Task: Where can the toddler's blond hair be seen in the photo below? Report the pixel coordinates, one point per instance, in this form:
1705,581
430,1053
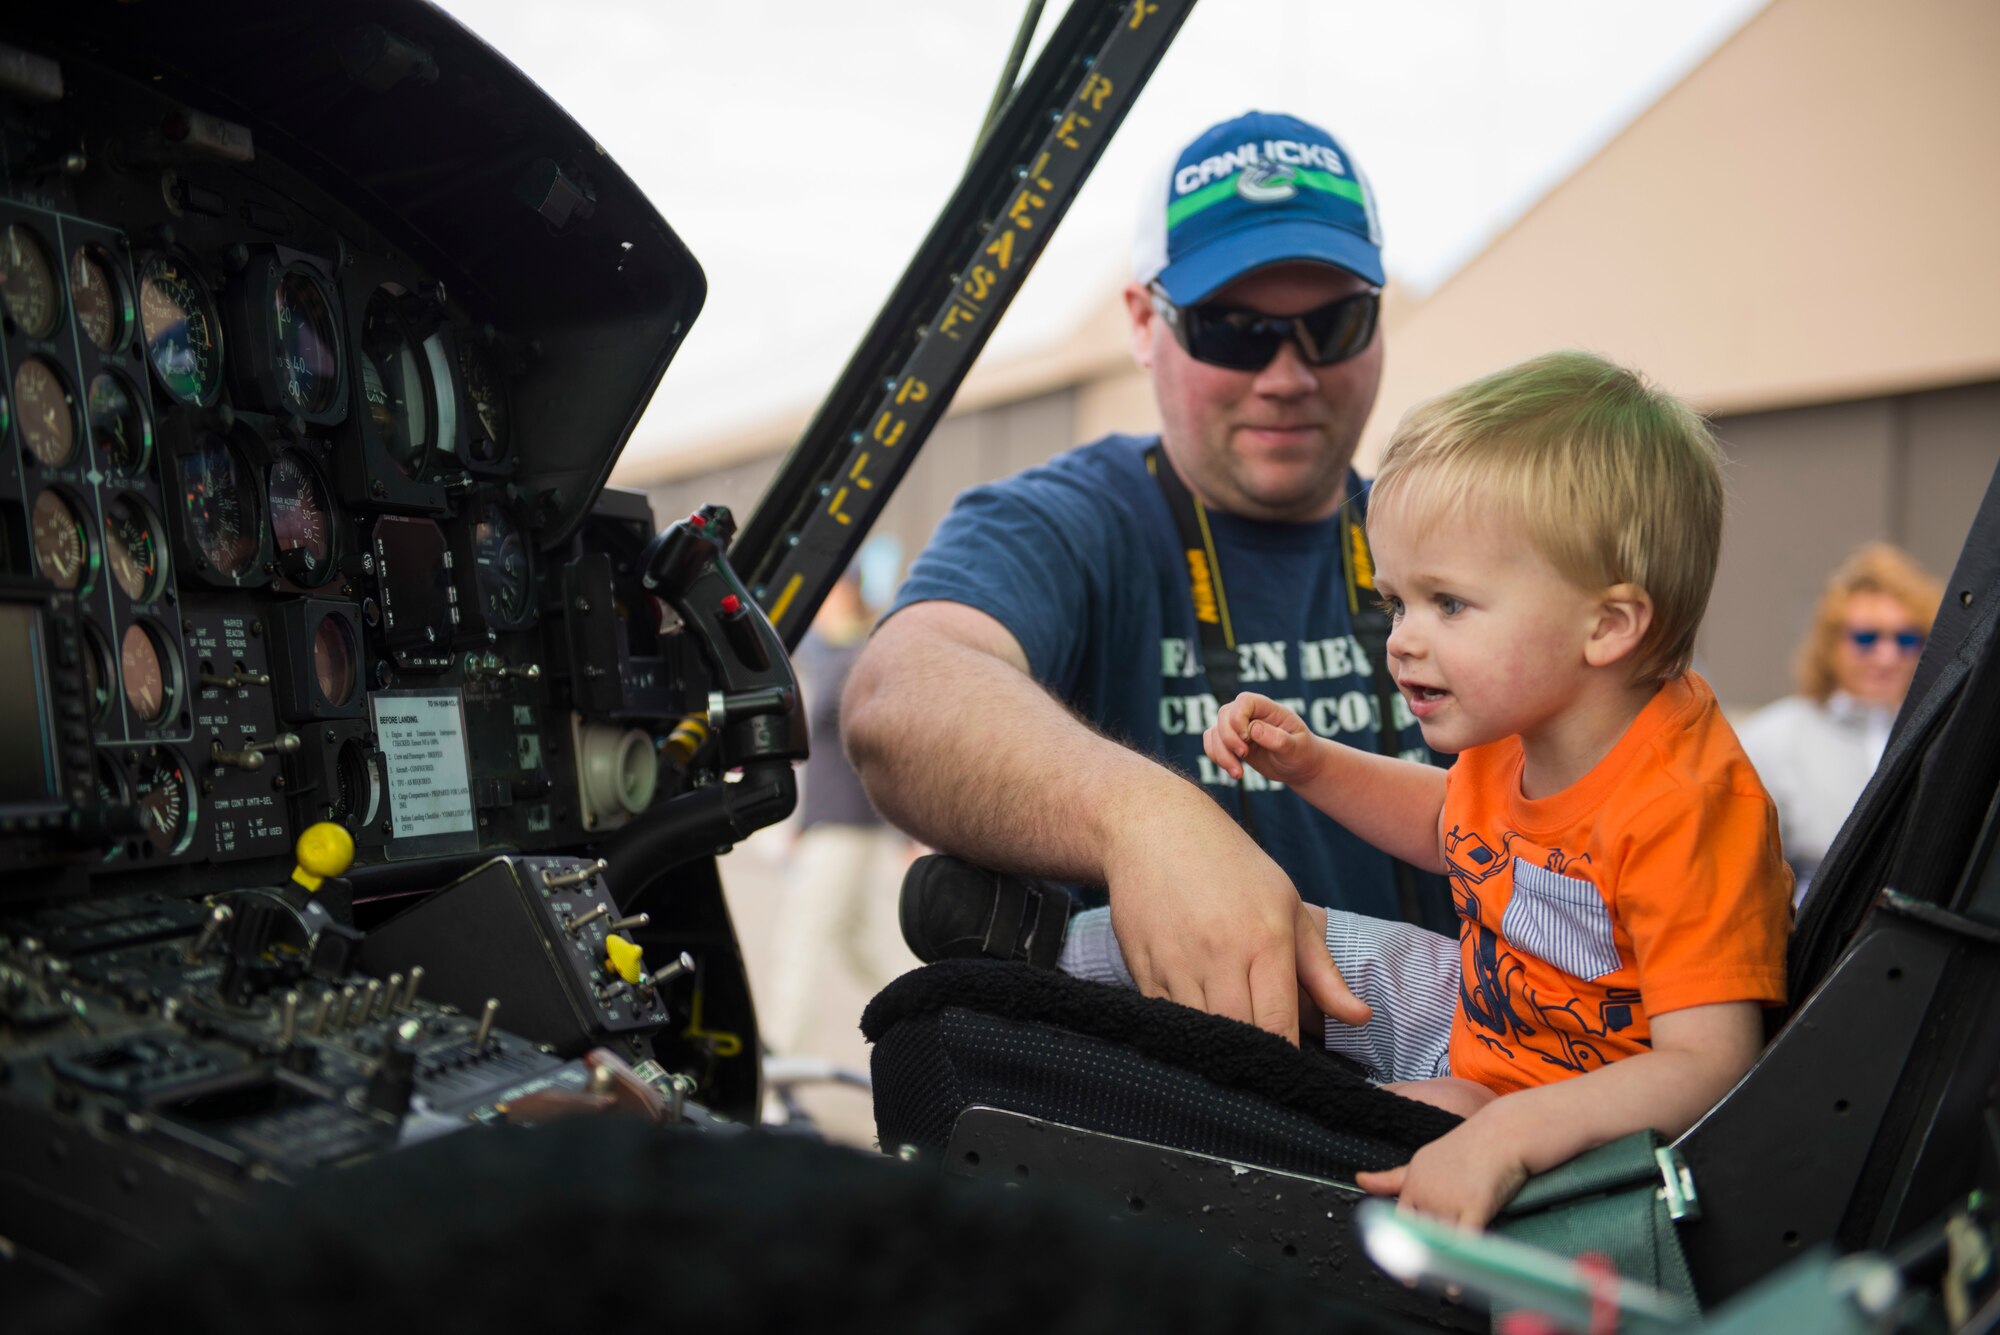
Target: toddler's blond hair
1614,481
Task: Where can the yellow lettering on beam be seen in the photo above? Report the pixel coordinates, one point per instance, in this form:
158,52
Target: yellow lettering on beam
979,283
1095,90
1071,123
888,429
1141,11
956,315
854,473
913,391
833,506
1003,249
1018,211
785,599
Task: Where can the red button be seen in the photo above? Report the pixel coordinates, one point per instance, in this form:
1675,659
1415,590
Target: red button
698,521
731,604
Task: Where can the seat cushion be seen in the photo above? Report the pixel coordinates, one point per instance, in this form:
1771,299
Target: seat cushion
965,1033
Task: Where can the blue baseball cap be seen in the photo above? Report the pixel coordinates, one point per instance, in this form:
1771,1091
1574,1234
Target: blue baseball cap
1259,190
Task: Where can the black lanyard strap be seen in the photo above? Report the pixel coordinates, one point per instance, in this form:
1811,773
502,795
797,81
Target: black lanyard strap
1218,636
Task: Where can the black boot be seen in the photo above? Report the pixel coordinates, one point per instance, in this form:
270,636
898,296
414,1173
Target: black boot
951,910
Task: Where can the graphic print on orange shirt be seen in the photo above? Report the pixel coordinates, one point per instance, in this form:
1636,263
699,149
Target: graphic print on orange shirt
1516,1004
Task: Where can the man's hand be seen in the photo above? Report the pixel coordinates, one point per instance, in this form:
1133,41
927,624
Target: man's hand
1205,918
1272,739
1463,1177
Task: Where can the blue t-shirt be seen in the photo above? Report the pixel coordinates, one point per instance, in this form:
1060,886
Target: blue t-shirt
1078,558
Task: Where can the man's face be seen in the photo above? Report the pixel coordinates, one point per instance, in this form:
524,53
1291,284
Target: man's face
1273,444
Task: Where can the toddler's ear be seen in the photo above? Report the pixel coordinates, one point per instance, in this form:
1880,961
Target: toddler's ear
1619,625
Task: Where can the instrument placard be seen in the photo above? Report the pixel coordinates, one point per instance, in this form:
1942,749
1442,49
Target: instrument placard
421,735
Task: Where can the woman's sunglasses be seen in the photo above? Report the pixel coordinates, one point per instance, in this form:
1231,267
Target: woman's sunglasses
1245,340
1906,641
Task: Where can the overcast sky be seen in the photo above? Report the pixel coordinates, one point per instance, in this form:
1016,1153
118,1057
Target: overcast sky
760,130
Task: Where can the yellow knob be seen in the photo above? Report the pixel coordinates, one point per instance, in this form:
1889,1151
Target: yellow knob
622,958
323,850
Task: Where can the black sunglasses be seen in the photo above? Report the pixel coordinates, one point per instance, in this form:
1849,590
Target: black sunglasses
1245,340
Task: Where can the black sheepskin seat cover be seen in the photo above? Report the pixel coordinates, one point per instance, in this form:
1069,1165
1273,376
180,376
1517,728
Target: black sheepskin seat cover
965,1033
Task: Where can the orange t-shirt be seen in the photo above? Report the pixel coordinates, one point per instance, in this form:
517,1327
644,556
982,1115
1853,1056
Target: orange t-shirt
1653,883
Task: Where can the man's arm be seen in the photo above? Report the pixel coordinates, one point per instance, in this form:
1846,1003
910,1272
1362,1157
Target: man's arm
959,745
1466,1175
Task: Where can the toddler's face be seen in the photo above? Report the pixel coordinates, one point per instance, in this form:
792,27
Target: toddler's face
1488,638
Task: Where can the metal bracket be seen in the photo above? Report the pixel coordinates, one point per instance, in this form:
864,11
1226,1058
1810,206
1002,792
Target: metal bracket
1678,1191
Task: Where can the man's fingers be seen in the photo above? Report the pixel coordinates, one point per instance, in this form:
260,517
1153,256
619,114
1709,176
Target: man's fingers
1274,996
1387,1183
1229,997
1322,981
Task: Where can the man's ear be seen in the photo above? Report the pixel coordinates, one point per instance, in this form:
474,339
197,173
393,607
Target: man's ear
1139,307
1619,625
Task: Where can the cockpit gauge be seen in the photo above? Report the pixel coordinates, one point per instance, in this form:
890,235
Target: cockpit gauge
222,512
501,569
487,392
118,424
98,297
61,542
301,519
148,674
308,345
29,288
444,384
165,799
46,412
132,549
392,382
97,673
183,335
333,660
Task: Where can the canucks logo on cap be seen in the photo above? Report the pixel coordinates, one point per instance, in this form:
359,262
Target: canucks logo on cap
1266,183
1260,190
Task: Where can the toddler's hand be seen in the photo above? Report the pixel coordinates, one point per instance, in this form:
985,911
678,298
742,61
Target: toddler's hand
1274,740
1463,1177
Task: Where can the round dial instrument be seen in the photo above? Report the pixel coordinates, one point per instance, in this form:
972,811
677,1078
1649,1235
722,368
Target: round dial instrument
333,660
118,424
148,680
48,414
221,513
97,673
62,544
488,393
308,349
98,299
132,549
301,519
28,285
183,337
392,381
500,567
165,799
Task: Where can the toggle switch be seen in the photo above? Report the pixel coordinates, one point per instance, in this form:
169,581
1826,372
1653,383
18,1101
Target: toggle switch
251,757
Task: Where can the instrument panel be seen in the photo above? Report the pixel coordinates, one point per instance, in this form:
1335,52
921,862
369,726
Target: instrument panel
320,329
319,333
218,443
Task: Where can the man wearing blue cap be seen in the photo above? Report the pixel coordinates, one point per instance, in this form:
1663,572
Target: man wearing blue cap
1036,697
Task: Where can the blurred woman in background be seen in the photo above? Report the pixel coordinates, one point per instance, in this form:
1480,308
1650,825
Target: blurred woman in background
1817,750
